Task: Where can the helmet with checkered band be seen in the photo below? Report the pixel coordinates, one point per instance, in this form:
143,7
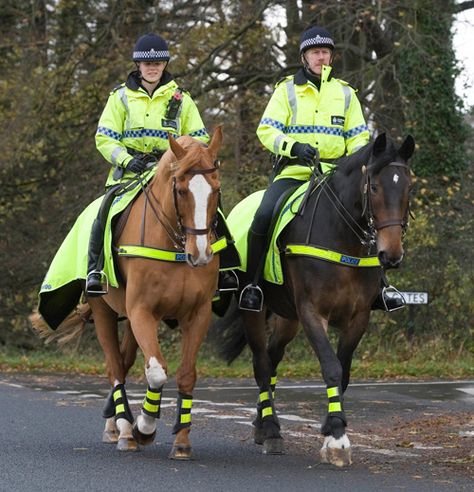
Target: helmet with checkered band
316,37
150,47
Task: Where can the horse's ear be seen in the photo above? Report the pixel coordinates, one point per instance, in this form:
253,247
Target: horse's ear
380,144
177,150
407,148
216,140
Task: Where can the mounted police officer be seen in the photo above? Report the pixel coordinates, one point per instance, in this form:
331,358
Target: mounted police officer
311,116
133,132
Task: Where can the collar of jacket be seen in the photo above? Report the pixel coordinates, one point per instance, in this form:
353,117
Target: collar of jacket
302,79
133,80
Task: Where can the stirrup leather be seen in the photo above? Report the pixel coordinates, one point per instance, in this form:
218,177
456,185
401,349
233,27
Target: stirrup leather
390,291
261,298
103,280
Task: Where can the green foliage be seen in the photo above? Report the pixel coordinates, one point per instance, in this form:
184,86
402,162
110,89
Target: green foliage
428,69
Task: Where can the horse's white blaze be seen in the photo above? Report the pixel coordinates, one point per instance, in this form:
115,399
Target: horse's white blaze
341,443
396,177
155,374
201,190
146,424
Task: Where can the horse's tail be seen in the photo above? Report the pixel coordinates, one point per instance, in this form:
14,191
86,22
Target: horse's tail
227,333
70,329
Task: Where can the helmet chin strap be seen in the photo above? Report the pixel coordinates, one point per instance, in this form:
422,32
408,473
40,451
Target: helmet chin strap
306,66
143,78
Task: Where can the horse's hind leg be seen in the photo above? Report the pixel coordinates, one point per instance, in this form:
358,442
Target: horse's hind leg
336,448
284,330
266,424
119,421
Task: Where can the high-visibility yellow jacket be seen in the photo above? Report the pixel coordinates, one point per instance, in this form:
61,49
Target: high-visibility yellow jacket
134,119
329,119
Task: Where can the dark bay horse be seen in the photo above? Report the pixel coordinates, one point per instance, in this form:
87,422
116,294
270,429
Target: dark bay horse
362,206
181,206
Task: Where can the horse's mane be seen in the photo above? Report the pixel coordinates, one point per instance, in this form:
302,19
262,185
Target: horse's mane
167,163
346,165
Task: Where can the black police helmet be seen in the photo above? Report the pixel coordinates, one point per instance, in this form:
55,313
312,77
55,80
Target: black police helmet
316,37
151,47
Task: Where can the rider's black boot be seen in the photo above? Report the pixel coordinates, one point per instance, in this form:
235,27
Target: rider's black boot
388,303
94,277
251,297
228,281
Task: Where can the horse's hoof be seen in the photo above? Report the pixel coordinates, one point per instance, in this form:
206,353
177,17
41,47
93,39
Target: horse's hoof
336,456
273,446
140,438
258,435
180,452
110,437
127,444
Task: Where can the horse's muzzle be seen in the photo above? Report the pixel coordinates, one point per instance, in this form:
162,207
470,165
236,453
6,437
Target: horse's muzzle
200,260
388,261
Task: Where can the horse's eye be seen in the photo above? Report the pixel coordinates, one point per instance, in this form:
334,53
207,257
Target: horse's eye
373,188
217,163
182,192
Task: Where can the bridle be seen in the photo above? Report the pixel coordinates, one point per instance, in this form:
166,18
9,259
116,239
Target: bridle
367,237
367,208
177,237
183,229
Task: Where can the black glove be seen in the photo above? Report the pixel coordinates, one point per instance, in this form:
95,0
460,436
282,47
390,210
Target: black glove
304,152
136,165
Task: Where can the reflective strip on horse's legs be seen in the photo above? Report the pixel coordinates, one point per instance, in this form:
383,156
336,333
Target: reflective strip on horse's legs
151,409
334,410
273,382
183,417
122,409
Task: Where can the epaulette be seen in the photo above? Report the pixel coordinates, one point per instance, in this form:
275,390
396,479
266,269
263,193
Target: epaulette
283,79
117,87
183,90
343,82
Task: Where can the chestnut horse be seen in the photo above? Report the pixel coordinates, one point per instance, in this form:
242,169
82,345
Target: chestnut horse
175,216
361,208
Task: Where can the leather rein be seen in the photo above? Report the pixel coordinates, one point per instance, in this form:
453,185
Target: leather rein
178,237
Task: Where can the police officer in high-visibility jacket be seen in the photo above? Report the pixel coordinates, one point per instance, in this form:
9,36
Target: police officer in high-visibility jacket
133,132
309,113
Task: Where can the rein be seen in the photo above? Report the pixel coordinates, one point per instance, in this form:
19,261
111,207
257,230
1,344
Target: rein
368,213
178,238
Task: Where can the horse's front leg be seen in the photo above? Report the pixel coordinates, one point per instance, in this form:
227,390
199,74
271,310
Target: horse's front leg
144,326
266,424
193,330
119,419
336,448
348,341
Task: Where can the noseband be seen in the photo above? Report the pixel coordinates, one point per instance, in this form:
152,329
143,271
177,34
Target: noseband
367,209
183,229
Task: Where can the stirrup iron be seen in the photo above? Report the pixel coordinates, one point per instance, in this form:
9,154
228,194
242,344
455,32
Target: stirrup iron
390,291
261,299
103,280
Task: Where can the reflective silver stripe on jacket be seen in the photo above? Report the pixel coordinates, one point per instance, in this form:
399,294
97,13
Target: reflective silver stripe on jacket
276,143
124,99
347,97
115,153
290,89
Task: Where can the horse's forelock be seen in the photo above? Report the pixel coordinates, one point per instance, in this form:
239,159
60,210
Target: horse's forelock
192,159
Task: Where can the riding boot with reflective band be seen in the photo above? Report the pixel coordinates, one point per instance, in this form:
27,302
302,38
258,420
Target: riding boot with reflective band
122,409
334,409
152,402
183,418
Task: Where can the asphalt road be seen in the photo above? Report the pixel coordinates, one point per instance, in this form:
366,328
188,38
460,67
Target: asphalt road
416,436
